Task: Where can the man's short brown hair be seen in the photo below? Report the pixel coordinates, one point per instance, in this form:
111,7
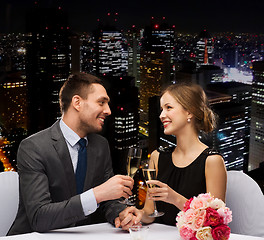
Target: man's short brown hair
76,84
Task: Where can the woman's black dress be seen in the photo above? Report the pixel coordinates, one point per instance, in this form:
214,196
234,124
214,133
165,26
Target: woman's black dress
188,181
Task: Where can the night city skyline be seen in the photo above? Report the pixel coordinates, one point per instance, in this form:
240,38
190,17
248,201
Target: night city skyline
187,16
137,49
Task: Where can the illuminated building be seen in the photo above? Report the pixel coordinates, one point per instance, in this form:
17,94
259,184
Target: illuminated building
123,124
4,161
157,65
230,136
204,75
12,52
204,49
125,128
110,50
87,57
256,146
133,41
124,107
109,57
185,47
13,112
154,73
207,74
160,37
48,64
110,62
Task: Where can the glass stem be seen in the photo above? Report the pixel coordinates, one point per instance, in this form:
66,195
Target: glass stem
155,207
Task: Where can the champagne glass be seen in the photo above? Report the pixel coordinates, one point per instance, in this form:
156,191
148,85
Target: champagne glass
150,173
133,161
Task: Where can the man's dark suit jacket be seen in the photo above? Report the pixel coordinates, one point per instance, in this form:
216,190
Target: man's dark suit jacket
47,184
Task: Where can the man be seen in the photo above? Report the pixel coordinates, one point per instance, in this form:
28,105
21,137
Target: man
48,166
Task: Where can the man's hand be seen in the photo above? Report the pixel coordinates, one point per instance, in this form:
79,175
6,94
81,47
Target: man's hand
128,217
114,188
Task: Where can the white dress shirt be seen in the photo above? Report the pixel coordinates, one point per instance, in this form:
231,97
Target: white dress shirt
88,200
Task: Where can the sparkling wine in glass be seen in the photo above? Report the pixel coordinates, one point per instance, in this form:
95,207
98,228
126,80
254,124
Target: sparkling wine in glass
132,165
133,161
150,173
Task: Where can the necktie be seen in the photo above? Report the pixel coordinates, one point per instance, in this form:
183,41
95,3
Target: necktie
81,166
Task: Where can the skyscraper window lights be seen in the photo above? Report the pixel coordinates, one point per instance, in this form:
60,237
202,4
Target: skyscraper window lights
14,85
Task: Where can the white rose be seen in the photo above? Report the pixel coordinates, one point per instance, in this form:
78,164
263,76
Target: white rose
204,234
216,204
180,219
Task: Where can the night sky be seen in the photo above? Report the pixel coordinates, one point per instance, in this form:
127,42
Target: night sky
187,16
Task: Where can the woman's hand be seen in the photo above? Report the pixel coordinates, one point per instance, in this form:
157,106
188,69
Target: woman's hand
162,192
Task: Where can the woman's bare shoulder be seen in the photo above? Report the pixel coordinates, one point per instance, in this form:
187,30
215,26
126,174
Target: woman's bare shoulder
155,154
214,159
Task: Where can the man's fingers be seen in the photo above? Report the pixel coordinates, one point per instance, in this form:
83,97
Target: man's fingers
117,222
125,195
126,192
126,178
128,183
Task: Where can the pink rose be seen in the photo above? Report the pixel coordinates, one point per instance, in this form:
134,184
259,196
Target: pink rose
190,215
187,205
212,218
186,232
198,220
204,218
198,203
221,232
226,214
206,196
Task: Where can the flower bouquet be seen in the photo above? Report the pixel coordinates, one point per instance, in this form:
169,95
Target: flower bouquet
204,218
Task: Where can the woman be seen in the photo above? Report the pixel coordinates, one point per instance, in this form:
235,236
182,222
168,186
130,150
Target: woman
191,167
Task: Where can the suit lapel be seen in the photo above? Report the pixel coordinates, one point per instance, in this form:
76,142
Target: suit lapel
64,156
